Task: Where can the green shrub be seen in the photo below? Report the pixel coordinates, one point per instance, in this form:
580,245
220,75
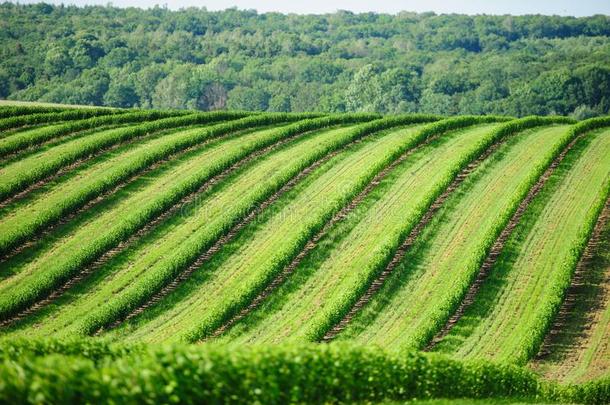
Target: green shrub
268,375
42,118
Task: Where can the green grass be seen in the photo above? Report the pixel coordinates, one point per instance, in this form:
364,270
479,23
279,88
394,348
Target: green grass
16,142
413,306
333,283
32,275
17,110
343,176
517,302
43,118
256,233
23,219
22,173
158,260
32,107
579,351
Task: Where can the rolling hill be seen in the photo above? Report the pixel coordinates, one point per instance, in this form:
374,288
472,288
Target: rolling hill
283,257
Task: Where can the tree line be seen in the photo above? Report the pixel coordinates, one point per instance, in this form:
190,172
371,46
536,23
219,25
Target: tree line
341,62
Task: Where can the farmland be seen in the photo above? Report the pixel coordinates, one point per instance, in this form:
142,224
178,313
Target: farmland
302,257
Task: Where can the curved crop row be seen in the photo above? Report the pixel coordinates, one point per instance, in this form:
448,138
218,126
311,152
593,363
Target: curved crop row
313,305
285,234
214,215
17,110
16,142
161,256
324,192
450,250
126,215
576,349
311,148
24,219
43,118
517,302
92,373
18,175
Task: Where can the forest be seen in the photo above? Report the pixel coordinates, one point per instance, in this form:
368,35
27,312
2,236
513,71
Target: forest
342,62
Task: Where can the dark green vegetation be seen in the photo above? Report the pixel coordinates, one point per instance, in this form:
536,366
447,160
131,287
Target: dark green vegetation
343,62
95,372
265,237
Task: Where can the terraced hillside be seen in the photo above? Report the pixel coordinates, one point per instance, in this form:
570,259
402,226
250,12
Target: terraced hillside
331,247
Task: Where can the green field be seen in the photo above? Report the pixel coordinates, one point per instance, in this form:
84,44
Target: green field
276,257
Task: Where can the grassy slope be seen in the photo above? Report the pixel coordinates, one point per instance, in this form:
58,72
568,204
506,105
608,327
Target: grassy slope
159,255
581,350
332,283
324,192
20,173
22,219
413,304
122,215
518,299
31,138
66,116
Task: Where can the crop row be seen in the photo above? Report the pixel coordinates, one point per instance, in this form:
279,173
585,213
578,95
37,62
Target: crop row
25,219
351,165
256,182
334,283
270,375
576,348
21,140
166,254
22,173
517,302
132,213
308,211
43,118
16,110
450,250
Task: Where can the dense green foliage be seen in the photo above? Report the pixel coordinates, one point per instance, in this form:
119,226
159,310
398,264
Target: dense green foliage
161,226
89,372
27,138
20,174
41,118
335,62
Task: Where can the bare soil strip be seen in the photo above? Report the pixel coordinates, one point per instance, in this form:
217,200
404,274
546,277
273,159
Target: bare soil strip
498,246
103,259
312,243
567,335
